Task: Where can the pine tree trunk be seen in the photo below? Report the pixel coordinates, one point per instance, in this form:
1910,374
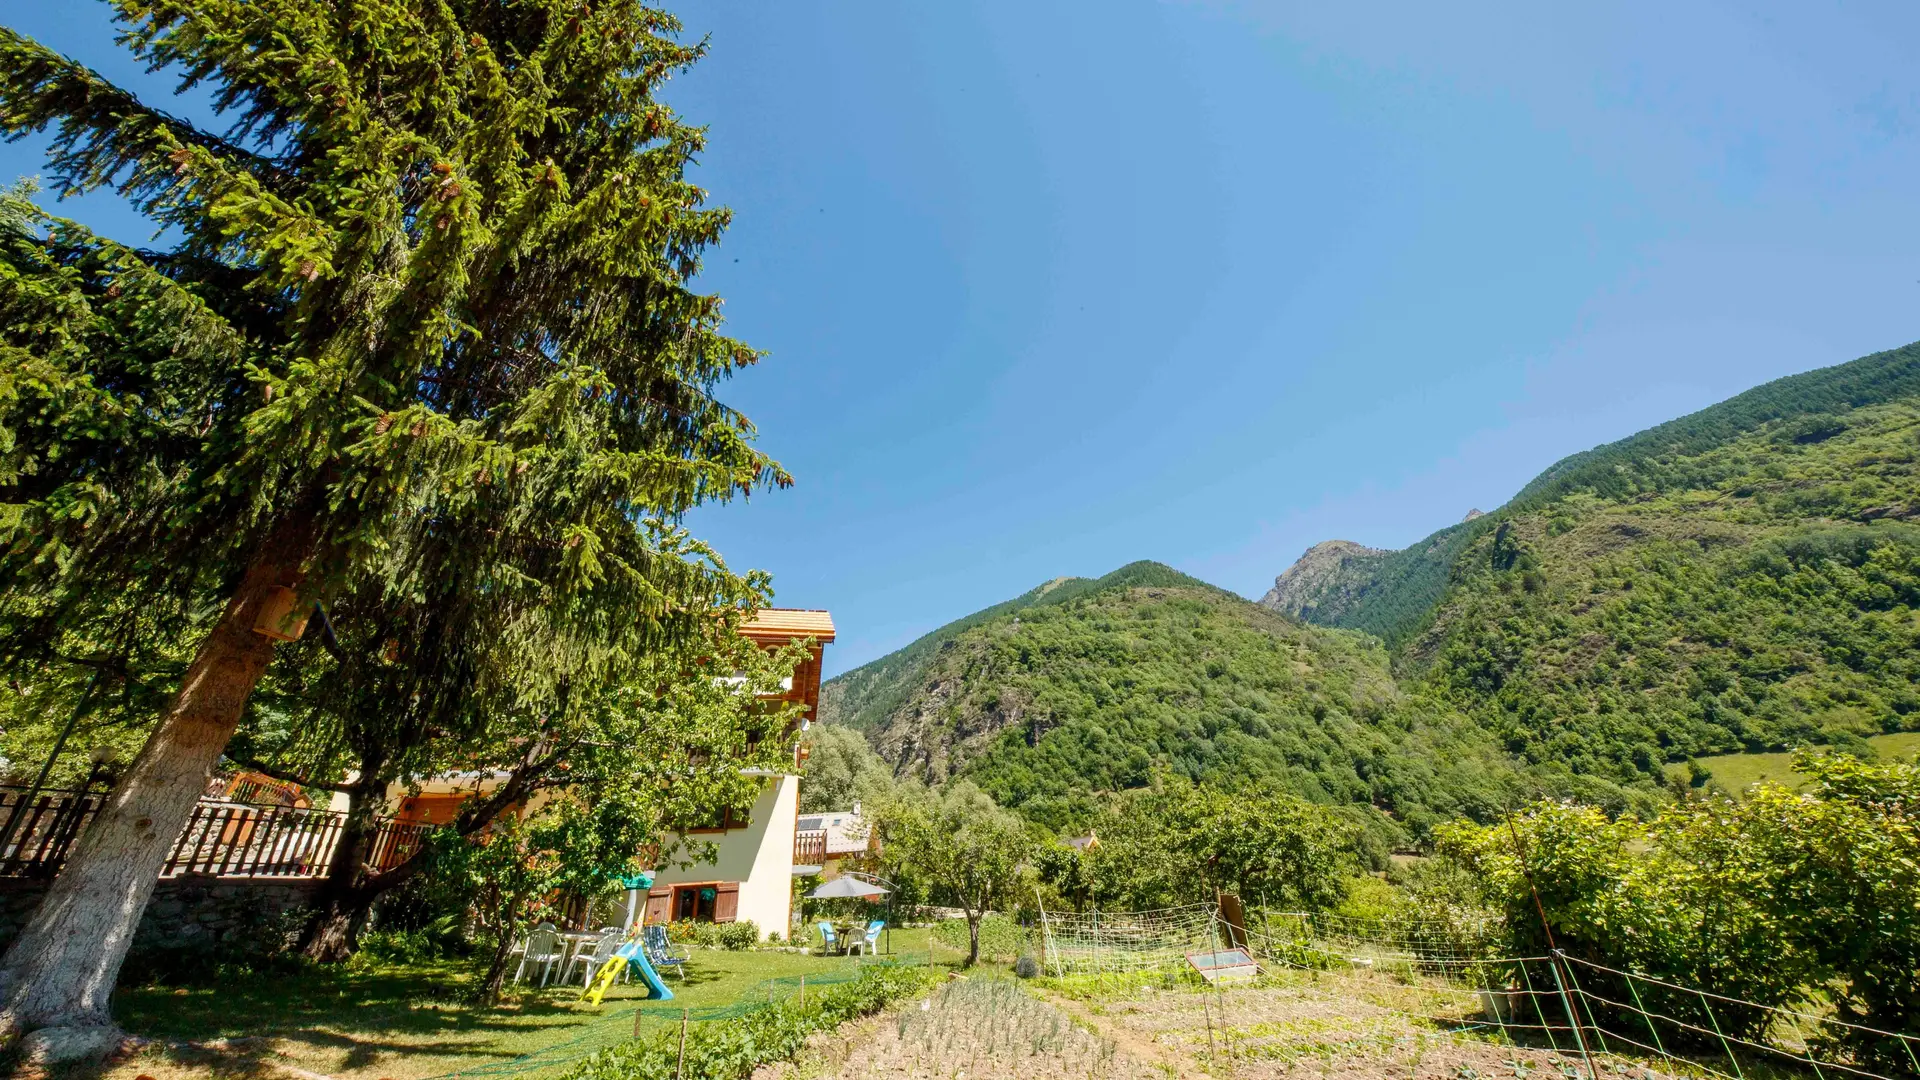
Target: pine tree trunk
61,969
340,912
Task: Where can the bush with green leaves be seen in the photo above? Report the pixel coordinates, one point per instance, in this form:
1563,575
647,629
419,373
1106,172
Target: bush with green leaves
1783,898
743,934
734,1048
1001,938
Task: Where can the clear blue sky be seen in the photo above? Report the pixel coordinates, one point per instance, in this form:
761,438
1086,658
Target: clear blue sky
1050,287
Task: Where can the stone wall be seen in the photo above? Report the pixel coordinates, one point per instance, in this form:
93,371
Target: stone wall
191,914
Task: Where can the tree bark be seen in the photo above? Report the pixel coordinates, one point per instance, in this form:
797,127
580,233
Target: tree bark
61,969
496,977
340,913
973,938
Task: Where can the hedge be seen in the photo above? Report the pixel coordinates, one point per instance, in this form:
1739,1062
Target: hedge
732,1049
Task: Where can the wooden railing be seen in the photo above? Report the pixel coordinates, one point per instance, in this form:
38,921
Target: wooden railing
222,838
810,847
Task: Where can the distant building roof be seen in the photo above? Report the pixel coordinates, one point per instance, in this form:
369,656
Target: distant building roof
845,831
1084,843
790,623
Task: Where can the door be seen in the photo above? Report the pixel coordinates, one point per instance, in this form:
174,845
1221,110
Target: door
659,906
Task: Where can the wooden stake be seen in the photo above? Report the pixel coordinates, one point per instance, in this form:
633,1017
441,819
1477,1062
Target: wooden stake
681,1064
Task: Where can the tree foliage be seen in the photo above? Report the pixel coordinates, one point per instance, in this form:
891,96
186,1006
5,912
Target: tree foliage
429,343
1779,899
955,837
841,770
1178,843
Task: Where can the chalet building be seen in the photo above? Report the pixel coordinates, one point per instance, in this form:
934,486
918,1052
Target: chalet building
751,874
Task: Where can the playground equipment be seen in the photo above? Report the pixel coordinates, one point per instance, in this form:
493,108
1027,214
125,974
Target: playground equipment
632,953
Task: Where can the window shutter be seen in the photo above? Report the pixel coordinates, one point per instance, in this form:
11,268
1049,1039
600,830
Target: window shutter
659,906
726,901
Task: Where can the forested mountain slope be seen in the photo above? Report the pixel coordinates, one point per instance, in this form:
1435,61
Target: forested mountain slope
864,697
1754,595
1393,594
1047,703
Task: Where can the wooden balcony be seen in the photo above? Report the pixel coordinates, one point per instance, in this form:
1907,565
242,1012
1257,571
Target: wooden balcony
810,848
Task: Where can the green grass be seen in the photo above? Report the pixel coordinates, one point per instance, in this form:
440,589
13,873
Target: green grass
410,1023
1738,772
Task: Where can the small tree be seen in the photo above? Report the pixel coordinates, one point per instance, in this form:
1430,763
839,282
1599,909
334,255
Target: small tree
1178,842
962,842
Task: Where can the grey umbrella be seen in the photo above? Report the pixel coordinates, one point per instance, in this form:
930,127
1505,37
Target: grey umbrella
843,887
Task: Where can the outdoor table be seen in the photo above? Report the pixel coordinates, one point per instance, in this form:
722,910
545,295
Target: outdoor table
574,939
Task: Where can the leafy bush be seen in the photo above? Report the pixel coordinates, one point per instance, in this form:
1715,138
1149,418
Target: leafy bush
1783,898
1001,939
731,1049
736,936
1026,967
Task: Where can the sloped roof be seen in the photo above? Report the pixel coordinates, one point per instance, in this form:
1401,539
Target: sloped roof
790,623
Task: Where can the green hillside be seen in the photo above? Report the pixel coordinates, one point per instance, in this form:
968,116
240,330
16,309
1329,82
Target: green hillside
1393,595
1090,688
1742,580
864,697
1752,596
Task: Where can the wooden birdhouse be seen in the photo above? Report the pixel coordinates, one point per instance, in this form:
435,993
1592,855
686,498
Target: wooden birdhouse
281,616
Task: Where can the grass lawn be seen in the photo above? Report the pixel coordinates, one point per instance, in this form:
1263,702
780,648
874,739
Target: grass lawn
408,1023
1738,772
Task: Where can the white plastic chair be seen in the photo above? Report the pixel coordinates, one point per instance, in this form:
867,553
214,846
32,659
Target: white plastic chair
543,948
601,952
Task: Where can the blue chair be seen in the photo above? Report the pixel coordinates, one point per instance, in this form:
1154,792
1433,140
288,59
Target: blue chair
660,951
870,941
830,941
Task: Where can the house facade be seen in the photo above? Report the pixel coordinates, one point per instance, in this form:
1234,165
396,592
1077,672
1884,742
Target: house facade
751,873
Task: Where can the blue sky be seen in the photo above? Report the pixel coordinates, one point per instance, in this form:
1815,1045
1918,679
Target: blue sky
1050,287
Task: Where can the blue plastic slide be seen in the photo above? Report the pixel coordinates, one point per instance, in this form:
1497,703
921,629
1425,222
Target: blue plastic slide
656,990
633,952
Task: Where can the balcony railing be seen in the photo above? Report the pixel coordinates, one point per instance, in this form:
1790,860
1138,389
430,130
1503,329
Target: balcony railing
222,838
810,848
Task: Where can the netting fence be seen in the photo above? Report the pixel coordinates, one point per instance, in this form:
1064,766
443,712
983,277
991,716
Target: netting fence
1590,1017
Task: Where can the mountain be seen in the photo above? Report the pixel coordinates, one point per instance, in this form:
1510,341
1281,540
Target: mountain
1393,594
864,697
1089,685
1744,578
1385,593
1756,595
1738,579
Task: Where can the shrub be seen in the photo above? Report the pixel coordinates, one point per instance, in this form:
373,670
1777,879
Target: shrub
731,1049
1026,967
743,934
1001,939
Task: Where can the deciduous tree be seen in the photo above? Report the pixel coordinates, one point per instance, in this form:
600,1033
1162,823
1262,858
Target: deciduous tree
958,839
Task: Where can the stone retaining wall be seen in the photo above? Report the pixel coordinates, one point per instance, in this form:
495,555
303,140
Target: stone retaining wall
191,914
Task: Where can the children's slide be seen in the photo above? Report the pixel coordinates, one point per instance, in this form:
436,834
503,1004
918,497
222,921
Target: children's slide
635,953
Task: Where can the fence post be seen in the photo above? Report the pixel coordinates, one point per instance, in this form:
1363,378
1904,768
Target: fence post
1579,1039
680,1064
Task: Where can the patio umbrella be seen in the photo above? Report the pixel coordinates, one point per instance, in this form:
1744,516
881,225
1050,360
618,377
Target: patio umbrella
846,888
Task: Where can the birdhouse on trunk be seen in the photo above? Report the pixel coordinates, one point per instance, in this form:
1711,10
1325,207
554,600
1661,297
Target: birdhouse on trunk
281,617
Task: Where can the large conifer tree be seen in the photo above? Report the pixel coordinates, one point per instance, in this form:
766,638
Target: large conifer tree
430,317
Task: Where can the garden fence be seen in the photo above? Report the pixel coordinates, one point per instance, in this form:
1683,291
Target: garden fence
1593,1017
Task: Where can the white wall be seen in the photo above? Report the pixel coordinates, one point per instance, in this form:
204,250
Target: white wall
759,857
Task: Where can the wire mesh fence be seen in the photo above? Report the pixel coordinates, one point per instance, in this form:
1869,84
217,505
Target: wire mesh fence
1591,1017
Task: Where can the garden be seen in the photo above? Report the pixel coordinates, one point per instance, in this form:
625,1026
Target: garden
387,1014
